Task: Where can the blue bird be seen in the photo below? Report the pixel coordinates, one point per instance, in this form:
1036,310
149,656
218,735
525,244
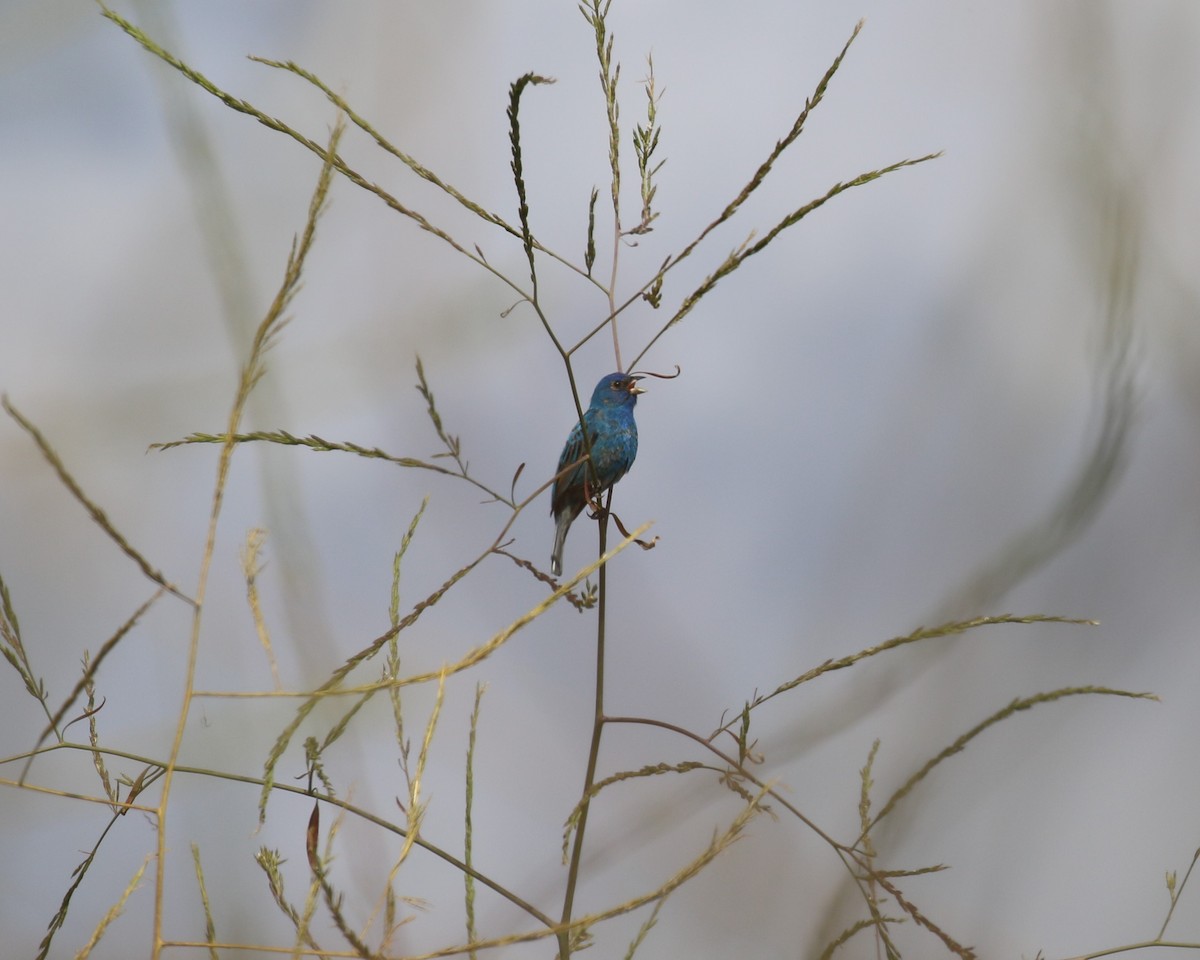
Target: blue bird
613,437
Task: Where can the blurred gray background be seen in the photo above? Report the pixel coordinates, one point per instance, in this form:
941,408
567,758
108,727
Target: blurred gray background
968,388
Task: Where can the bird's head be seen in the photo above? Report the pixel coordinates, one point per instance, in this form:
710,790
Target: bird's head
617,390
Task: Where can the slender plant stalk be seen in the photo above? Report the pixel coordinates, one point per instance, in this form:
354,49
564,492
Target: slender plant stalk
97,515
564,937
608,79
252,372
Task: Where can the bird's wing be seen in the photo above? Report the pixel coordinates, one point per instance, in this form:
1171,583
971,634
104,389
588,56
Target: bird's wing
574,449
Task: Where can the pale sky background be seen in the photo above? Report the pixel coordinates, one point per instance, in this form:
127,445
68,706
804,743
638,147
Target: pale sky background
870,411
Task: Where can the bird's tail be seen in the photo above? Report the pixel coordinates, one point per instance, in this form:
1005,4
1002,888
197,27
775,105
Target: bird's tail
560,537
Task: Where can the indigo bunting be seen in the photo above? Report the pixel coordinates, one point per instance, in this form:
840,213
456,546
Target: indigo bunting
613,437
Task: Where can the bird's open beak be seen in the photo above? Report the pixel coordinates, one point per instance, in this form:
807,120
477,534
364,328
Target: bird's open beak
634,388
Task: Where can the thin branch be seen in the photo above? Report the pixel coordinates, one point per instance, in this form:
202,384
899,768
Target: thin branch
90,672
960,743
320,445
345,805
93,510
243,106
